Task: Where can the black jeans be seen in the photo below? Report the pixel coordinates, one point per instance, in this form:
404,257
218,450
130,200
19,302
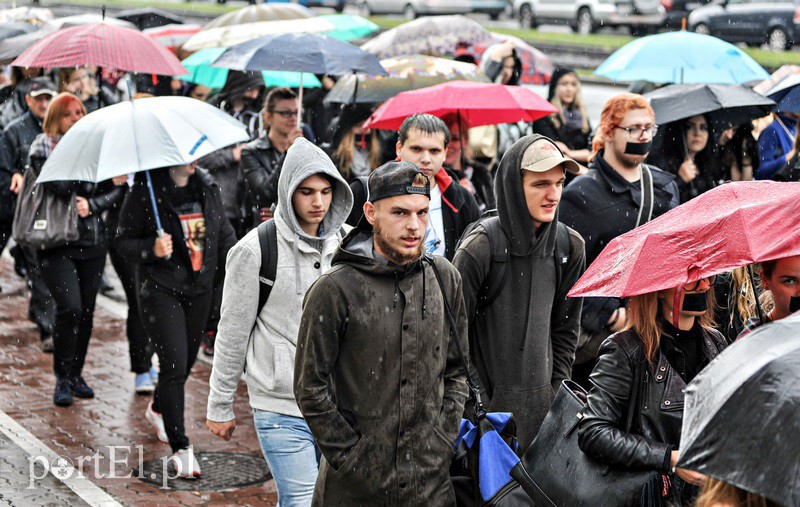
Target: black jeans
175,325
139,347
42,307
73,283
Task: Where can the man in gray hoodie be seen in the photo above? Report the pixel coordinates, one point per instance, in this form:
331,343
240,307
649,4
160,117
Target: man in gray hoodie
523,336
314,201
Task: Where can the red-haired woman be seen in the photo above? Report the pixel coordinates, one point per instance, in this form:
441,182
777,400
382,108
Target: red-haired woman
667,340
72,272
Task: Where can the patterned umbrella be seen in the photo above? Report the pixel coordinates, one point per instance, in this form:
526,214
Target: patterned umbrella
172,35
227,36
405,73
262,12
536,66
430,35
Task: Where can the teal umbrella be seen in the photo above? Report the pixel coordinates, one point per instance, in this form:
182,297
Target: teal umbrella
349,27
201,72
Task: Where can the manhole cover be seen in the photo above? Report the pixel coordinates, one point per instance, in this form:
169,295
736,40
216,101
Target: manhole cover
221,471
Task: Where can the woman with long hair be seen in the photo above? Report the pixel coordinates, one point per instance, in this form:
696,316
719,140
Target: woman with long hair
738,153
72,272
780,279
717,493
669,337
84,85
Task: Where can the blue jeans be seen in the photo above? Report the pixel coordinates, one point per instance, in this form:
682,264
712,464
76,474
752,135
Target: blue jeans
291,453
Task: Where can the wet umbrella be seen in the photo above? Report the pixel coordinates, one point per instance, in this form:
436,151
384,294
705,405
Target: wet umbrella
742,414
149,17
34,15
717,231
349,26
405,73
227,36
786,94
14,29
262,12
475,104
681,57
172,36
536,66
432,35
725,105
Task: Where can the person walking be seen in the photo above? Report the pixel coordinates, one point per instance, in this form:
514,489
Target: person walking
523,328
378,376
618,193
308,228
776,145
175,277
72,272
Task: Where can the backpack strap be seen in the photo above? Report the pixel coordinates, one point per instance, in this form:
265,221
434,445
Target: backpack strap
646,185
268,241
498,246
562,251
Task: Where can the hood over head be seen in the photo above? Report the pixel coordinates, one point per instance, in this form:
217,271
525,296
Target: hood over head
557,74
304,159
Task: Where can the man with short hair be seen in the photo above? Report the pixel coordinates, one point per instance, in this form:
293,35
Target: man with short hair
608,201
523,328
378,376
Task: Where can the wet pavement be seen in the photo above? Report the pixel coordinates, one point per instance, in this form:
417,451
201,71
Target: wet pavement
104,438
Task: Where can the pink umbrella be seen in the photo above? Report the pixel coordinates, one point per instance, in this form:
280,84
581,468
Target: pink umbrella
102,45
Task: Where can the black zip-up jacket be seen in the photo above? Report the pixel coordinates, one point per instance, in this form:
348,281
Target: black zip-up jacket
19,136
136,235
260,164
657,422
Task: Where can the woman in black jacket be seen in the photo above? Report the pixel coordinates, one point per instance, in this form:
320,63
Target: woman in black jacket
176,276
667,351
72,271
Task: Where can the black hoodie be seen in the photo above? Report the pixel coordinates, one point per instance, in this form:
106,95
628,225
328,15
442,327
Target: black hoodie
522,343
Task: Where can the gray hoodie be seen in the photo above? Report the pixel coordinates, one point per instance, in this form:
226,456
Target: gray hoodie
262,344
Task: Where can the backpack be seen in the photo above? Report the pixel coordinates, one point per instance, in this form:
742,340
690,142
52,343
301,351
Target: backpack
498,245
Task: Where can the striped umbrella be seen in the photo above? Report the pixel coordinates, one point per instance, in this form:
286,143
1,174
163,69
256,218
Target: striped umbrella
172,35
261,12
430,35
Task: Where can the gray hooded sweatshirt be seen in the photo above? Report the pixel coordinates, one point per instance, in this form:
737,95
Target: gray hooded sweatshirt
523,343
262,344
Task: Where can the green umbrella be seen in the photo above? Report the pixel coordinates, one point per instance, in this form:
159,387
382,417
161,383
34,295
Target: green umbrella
202,73
349,27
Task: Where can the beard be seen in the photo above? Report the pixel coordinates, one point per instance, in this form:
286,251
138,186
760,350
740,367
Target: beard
388,248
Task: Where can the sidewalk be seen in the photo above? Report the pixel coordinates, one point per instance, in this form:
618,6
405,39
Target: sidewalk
107,435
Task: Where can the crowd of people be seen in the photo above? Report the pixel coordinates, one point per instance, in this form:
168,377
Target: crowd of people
344,273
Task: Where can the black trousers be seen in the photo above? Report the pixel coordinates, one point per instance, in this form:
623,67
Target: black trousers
73,283
42,306
175,325
139,348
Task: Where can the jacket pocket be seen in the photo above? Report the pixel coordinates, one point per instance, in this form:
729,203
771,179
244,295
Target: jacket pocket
271,366
354,461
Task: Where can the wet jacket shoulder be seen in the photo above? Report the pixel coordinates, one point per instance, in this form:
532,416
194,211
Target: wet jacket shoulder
260,165
658,416
19,135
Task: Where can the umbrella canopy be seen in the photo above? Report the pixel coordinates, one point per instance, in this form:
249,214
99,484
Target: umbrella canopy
431,35
33,15
14,29
300,52
475,103
681,57
201,72
227,36
140,135
536,66
171,36
775,78
149,17
262,12
349,26
742,414
717,231
725,105
786,94
405,73
103,45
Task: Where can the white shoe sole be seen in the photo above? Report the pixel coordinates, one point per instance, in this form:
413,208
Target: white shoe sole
145,389
154,420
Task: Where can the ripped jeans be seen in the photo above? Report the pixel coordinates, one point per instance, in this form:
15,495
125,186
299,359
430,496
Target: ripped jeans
291,453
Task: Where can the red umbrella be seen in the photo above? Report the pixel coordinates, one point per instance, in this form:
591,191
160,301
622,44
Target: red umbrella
727,227
102,45
475,103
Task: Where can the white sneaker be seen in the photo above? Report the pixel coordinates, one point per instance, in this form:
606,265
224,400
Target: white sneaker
185,464
157,421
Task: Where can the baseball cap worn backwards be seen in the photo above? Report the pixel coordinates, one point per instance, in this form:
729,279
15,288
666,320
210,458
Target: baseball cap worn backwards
42,86
543,155
397,178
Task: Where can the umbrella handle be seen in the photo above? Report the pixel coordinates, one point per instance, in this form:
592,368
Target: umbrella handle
159,229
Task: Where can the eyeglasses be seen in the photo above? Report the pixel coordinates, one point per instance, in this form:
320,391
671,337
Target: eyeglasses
693,286
286,114
636,131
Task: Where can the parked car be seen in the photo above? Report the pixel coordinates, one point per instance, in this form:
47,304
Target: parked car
494,8
586,16
678,10
754,22
411,9
337,5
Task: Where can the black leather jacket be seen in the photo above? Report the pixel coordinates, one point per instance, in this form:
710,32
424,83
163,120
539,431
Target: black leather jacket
656,427
261,163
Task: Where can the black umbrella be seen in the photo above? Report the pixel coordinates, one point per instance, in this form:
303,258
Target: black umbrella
742,414
149,17
725,105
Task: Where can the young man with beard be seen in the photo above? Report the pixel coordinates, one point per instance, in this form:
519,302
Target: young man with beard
608,201
378,376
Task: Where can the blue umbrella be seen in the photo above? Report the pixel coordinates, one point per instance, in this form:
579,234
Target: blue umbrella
786,94
681,57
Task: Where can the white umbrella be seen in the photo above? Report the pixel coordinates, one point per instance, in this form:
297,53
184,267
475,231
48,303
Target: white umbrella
139,135
227,36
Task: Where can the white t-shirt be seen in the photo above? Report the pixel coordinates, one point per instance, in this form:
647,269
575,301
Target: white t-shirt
434,235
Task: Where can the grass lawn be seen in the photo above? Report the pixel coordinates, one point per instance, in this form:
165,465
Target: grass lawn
203,7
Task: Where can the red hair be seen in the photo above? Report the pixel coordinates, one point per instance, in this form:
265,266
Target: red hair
56,109
614,111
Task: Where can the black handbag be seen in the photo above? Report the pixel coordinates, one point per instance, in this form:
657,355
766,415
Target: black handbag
555,472
42,219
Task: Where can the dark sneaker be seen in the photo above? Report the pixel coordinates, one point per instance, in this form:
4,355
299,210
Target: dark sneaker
78,387
209,337
62,395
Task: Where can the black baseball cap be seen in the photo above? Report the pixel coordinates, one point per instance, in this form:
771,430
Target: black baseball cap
42,86
397,178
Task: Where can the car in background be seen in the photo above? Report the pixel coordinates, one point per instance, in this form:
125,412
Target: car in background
337,5
754,22
678,10
411,9
587,16
494,8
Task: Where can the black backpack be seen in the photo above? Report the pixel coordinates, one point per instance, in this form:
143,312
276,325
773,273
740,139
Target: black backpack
498,245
